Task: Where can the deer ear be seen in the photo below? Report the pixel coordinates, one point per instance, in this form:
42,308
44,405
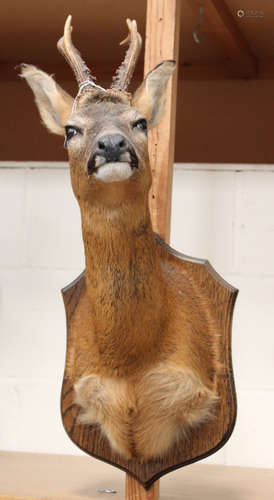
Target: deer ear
53,102
149,98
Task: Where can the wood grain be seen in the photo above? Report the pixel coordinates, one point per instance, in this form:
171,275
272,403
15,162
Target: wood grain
134,490
162,42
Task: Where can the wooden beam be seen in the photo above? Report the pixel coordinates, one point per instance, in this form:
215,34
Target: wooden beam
162,42
135,491
220,71
222,25
187,71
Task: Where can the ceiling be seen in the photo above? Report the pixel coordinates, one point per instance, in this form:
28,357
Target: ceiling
29,30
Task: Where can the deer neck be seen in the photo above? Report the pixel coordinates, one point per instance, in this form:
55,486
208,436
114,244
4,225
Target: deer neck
124,284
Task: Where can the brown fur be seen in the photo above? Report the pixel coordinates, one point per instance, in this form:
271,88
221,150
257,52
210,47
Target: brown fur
144,362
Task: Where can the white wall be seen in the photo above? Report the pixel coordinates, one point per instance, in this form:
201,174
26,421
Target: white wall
225,215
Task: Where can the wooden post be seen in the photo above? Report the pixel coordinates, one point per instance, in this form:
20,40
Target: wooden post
162,42
135,491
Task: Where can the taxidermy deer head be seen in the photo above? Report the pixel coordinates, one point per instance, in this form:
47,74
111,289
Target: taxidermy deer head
141,369
105,130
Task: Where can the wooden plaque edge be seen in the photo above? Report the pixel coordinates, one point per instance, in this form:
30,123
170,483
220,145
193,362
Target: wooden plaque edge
233,295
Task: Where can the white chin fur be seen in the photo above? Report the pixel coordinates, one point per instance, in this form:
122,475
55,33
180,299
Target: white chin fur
114,172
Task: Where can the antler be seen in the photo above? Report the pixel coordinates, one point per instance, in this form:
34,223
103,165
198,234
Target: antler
124,73
73,56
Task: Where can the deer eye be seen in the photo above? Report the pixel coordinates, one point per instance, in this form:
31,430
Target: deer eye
140,124
70,132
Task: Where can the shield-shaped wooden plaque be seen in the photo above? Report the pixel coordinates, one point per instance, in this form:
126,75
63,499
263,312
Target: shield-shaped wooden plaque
202,441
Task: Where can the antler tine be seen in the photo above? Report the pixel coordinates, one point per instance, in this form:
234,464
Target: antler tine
124,73
72,55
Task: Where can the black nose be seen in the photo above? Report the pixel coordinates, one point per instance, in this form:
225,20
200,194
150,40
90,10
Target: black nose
112,146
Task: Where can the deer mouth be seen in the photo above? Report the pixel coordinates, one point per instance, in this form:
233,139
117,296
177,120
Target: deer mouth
119,169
